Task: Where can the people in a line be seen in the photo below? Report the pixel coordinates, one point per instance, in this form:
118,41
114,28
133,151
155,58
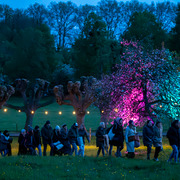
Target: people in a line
47,135
148,137
29,141
157,139
64,140
37,139
130,138
5,143
72,136
81,139
118,138
21,141
173,135
100,137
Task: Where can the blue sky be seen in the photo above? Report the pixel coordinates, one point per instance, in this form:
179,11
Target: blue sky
26,3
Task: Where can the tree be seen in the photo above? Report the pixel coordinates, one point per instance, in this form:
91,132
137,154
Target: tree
144,85
62,21
92,52
80,95
175,34
143,27
31,54
38,12
31,94
5,93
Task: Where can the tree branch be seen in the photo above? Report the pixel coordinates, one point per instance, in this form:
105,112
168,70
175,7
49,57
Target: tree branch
14,107
46,103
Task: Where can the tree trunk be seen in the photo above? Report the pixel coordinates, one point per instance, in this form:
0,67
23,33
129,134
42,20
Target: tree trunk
29,120
80,119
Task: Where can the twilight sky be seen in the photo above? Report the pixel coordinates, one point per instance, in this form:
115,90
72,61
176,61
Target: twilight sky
26,3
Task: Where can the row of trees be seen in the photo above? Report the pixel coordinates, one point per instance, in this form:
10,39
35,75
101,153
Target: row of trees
145,85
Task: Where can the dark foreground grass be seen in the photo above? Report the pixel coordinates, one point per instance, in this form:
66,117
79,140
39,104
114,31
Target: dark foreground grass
90,167
27,167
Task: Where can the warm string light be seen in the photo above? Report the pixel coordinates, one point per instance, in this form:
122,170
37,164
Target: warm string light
46,112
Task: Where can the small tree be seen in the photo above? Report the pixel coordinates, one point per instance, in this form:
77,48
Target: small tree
5,93
80,95
31,95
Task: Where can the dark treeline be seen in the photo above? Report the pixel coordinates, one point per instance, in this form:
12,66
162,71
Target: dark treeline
65,41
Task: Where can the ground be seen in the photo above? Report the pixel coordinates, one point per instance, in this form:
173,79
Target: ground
90,167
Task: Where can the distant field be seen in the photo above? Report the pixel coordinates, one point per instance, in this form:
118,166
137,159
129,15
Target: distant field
13,120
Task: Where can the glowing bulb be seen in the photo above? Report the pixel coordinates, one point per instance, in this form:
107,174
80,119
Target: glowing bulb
60,112
102,111
19,110
116,110
160,106
5,110
46,112
74,112
88,112
32,112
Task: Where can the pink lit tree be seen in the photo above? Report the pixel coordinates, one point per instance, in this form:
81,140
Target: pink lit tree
144,85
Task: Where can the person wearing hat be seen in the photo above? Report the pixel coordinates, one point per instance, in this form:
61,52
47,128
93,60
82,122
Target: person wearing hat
47,135
21,141
130,138
72,136
37,139
64,140
29,140
118,138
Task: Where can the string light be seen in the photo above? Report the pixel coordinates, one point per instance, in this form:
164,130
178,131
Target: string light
60,112
74,112
5,110
116,110
160,106
88,112
19,110
102,111
46,112
32,112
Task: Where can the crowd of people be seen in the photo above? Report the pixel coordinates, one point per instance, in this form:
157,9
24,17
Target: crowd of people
65,142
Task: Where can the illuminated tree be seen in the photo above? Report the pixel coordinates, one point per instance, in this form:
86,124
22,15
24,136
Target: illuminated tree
144,85
80,95
31,94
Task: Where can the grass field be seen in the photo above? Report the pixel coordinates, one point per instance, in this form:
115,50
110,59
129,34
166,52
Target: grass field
15,121
90,167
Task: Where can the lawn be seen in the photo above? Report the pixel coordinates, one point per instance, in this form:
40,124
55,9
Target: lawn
90,167
15,121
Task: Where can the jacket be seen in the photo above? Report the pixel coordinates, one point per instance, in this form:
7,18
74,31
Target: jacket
83,134
157,138
100,136
148,135
47,134
37,137
73,134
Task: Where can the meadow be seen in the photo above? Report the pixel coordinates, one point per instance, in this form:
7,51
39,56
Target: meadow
89,167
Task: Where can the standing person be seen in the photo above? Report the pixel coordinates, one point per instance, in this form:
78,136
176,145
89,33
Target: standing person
100,137
47,135
64,140
37,139
173,136
148,137
21,141
72,136
129,138
157,139
5,147
29,140
82,134
118,138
